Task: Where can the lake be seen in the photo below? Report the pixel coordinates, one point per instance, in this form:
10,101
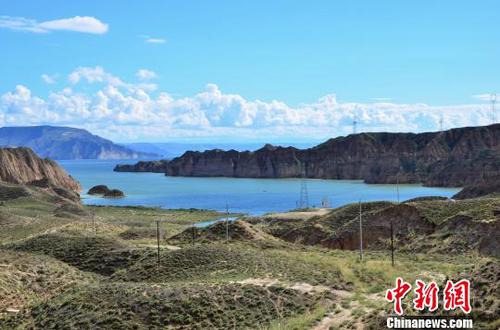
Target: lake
252,196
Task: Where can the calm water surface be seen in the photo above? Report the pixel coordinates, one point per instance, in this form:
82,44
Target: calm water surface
253,196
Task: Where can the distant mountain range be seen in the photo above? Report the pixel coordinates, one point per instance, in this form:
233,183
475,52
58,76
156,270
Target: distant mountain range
169,150
66,143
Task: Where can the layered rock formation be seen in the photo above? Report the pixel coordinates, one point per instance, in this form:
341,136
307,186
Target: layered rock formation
23,166
456,157
157,166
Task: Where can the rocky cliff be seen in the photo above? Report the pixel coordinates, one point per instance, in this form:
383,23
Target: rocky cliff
456,157
156,166
23,166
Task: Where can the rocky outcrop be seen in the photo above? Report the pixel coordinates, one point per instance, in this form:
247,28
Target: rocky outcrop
114,193
479,190
157,166
104,191
23,166
457,157
98,190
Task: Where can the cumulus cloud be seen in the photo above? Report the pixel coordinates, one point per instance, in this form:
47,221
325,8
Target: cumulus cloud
126,111
83,24
144,74
49,79
97,75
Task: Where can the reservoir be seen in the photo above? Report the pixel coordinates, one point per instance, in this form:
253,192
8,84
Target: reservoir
252,196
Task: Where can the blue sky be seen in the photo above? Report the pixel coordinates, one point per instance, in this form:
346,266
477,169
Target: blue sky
414,56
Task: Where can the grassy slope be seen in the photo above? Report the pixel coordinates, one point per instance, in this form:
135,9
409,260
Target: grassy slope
109,277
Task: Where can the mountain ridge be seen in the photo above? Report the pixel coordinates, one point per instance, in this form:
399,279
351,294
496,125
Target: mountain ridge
456,157
60,142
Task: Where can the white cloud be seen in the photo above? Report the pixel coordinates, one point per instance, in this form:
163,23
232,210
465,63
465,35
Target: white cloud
97,74
93,75
84,24
125,111
155,40
49,79
381,99
486,96
144,74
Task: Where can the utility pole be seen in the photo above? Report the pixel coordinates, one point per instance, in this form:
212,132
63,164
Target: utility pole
360,234
392,244
192,234
93,223
158,240
227,224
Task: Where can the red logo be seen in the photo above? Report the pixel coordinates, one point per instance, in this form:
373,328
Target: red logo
455,295
397,294
426,296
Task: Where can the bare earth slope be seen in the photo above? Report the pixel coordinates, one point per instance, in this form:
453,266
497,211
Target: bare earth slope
23,166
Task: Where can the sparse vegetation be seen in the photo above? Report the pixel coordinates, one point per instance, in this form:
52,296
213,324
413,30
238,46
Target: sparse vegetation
96,267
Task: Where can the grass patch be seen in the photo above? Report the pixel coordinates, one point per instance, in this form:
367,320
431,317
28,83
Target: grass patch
129,306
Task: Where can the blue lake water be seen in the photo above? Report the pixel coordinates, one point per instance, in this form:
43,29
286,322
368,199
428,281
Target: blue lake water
253,196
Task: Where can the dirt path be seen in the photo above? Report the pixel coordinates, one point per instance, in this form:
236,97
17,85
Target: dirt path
343,316
332,320
299,215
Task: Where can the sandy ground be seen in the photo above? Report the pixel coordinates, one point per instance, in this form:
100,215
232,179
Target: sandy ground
300,215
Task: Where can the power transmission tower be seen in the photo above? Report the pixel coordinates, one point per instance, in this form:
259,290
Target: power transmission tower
493,99
325,202
304,194
354,124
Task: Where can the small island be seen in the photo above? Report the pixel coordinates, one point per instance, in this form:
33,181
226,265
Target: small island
104,191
